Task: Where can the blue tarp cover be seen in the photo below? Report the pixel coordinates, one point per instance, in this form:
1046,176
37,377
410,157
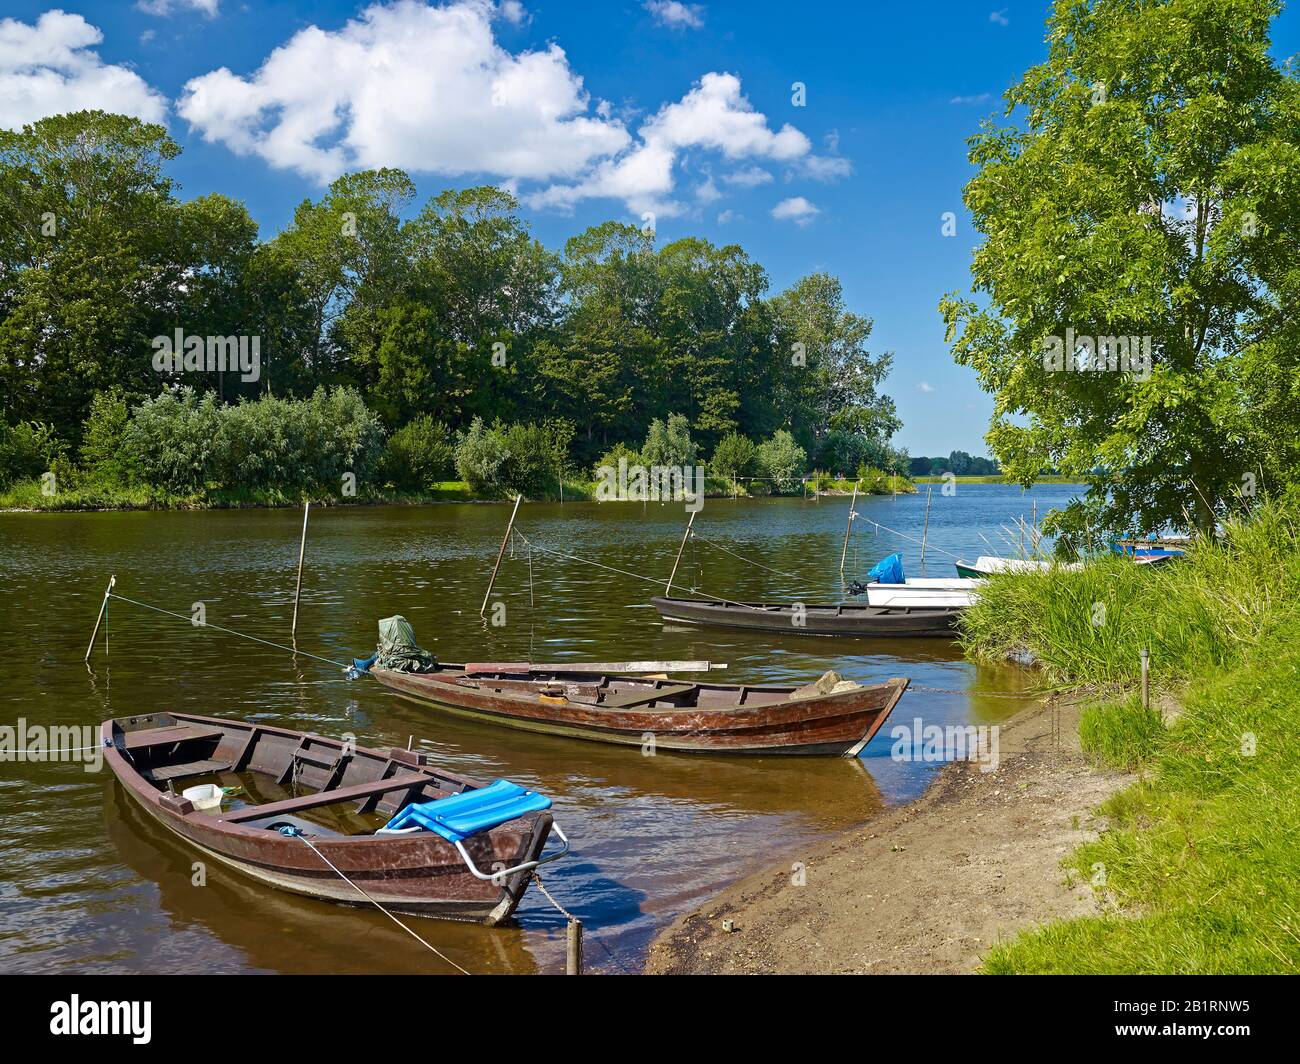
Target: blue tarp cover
889,571
458,817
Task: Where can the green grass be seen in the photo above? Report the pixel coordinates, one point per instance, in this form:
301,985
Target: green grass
1121,734
1198,870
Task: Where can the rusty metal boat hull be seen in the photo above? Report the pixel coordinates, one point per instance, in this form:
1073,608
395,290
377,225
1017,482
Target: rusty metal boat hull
152,756
670,716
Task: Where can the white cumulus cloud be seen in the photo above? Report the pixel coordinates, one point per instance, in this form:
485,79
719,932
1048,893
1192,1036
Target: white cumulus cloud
427,87
49,67
795,209
676,15
714,115
167,7
412,85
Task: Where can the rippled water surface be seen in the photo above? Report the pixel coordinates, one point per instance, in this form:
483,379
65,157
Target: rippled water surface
86,884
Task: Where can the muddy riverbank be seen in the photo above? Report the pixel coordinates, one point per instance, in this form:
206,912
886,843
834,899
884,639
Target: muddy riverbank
923,888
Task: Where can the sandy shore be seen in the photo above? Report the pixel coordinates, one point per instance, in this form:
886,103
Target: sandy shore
924,888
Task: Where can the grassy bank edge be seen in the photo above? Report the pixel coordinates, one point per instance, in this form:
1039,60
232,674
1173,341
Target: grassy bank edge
1196,872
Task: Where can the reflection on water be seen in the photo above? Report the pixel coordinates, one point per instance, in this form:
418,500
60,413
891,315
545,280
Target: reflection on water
89,884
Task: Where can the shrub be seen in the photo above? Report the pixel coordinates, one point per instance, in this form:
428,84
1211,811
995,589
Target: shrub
181,442
419,454
343,435
479,455
611,458
103,446
27,450
781,459
669,444
261,444
173,439
535,458
735,456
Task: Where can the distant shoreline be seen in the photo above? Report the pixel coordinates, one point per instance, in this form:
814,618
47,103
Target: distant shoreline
27,497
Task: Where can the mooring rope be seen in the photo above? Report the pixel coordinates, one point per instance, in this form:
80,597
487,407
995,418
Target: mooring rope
904,535
379,906
635,576
228,631
537,878
542,887
747,561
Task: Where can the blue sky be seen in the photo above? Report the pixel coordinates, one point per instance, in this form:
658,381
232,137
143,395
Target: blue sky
593,111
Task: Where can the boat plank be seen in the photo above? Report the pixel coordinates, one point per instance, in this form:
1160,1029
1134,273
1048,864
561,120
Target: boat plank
639,698
406,781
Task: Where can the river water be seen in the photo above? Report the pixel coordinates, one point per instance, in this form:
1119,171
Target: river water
87,885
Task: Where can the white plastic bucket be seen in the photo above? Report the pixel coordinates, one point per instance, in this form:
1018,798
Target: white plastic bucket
204,796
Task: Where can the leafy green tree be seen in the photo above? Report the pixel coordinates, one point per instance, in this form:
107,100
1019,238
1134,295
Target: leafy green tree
828,379
89,265
712,327
347,255
1151,191
600,368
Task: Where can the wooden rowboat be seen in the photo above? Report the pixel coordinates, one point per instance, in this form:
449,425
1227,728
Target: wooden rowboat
849,618
309,802
680,717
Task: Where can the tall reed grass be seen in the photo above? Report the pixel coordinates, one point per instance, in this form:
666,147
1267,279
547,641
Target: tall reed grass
1086,627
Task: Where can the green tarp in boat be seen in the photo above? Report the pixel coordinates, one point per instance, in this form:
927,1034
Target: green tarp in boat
398,649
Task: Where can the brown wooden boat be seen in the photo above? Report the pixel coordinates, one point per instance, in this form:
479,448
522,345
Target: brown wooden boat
344,794
681,717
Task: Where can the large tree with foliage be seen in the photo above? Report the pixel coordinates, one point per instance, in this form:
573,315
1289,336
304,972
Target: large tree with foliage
827,380
90,267
1150,188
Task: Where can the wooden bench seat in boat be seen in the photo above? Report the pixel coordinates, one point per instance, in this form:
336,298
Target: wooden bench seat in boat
406,782
164,773
637,698
142,740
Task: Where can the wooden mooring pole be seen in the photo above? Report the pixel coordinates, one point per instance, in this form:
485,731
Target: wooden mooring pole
849,528
925,531
668,590
573,959
302,551
1146,678
500,554
103,609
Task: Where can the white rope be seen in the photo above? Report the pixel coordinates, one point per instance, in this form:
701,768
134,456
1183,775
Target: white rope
635,576
378,906
747,561
904,535
228,631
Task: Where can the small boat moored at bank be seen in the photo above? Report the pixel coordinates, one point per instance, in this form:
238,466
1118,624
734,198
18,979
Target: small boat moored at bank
835,718
845,618
301,812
